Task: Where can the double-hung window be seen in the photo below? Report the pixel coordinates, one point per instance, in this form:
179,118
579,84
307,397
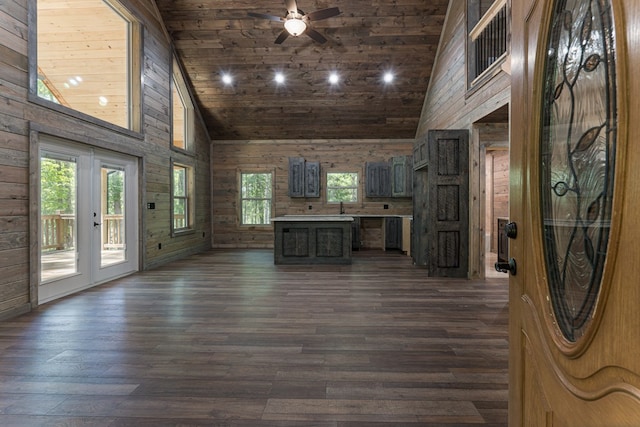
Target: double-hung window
342,187
182,203
256,198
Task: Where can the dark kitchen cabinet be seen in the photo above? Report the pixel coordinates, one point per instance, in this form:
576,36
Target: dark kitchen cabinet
401,176
393,232
378,179
355,234
420,154
296,177
312,179
304,178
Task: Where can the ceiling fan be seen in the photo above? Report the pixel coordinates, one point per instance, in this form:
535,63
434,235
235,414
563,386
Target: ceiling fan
296,22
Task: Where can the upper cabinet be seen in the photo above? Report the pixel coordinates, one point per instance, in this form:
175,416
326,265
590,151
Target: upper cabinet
378,179
312,179
304,178
420,154
390,179
402,176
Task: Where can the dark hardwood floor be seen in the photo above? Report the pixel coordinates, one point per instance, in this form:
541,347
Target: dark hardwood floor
226,338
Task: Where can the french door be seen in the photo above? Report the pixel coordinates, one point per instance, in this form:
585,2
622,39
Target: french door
88,217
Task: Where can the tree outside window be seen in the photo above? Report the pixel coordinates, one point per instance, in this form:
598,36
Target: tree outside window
58,193
256,195
342,187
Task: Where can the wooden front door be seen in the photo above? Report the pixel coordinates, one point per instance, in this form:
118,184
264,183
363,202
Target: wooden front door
448,203
575,197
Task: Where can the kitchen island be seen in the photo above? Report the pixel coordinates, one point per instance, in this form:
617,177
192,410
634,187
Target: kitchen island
312,239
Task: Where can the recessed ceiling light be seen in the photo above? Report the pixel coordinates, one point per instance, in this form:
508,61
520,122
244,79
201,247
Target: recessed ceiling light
334,78
103,101
279,78
388,77
227,79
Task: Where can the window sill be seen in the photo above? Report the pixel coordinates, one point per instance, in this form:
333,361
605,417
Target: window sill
186,152
182,232
34,99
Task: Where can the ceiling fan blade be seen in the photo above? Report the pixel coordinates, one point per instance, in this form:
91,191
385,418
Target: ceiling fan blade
323,14
315,35
265,16
282,37
292,7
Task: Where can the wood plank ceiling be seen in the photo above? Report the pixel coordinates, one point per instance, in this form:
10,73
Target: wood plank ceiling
368,38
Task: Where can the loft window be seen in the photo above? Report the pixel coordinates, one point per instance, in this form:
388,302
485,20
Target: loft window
182,112
84,59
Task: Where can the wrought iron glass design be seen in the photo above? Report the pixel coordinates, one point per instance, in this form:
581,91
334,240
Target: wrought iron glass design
577,157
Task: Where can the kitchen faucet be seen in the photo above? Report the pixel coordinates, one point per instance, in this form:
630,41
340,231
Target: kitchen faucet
341,208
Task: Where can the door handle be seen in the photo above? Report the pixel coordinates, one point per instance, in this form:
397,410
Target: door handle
507,267
95,224
511,230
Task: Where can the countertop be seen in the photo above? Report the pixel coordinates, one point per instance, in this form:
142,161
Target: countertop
313,218
349,216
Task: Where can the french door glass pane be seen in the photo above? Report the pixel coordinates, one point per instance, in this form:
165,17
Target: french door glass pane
113,224
58,223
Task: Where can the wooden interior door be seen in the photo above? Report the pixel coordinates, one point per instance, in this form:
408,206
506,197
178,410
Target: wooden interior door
575,197
448,207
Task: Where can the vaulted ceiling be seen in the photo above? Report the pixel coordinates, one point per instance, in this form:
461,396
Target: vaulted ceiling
367,39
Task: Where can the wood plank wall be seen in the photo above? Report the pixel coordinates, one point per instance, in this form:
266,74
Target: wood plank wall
22,122
449,104
228,158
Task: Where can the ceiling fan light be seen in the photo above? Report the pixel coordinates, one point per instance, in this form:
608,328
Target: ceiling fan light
295,26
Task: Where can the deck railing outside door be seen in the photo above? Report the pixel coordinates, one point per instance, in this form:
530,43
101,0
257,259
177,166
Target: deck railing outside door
58,232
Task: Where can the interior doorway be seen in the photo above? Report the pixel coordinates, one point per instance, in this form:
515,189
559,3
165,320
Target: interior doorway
491,134
496,208
88,217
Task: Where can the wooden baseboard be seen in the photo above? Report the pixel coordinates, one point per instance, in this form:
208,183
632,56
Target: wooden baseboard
15,312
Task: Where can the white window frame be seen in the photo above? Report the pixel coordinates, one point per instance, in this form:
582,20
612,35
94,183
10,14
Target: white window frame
355,187
242,199
189,198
